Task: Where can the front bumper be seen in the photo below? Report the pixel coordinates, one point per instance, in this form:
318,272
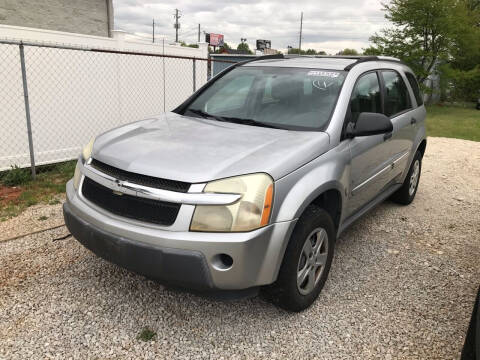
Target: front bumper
179,258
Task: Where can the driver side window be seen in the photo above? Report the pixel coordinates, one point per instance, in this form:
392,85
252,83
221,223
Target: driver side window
366,96
232,95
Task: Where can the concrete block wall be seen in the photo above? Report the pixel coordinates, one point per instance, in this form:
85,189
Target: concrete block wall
90,17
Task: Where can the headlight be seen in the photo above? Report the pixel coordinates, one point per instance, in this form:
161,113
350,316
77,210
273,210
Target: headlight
87,150
76,176
251,212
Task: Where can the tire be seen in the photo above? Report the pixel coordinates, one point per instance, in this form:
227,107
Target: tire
406,193
314,225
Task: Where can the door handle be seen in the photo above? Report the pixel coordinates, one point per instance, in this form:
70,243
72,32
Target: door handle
413,121
387,136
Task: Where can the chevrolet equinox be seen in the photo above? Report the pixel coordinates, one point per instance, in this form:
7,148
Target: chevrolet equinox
249,182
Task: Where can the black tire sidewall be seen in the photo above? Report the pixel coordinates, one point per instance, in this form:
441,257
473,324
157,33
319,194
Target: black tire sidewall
287,293
402,196
418,156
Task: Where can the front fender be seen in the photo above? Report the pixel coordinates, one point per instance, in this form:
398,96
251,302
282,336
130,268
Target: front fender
297,190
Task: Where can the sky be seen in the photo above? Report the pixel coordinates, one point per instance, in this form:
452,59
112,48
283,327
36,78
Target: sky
327,25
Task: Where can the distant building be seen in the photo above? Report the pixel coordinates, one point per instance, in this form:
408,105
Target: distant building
270,52
233,52
90,17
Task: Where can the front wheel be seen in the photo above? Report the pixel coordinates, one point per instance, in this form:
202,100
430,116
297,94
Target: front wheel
406,193
306,262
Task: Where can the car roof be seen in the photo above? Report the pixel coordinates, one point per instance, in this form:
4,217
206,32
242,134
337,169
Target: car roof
320,62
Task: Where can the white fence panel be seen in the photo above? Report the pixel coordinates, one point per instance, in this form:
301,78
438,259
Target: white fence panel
77,94
13,127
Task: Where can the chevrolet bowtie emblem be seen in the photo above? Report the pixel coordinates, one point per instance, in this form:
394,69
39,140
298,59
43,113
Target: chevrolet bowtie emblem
117,185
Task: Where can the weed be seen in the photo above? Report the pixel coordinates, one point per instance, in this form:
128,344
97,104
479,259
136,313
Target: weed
147,334
50,181
15,176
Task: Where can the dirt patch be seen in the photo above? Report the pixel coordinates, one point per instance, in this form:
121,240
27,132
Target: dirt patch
9,194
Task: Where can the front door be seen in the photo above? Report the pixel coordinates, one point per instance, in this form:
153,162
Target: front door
371,156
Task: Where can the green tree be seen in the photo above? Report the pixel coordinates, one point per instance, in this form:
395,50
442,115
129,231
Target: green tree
348,51
226,46
306,52
183,43
422,33
460,74
465,52
310,52
219,49
244,46
372,51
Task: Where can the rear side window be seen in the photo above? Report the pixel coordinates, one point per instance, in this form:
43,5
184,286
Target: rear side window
416,90
397,98
366,96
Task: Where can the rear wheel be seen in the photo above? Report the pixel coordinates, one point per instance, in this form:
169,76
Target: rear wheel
406,193
306,263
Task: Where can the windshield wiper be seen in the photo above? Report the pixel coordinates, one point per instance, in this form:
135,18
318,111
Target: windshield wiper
235,120
205,115
251,122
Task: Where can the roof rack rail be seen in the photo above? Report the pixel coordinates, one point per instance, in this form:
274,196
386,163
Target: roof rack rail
362,59
263,57
358,58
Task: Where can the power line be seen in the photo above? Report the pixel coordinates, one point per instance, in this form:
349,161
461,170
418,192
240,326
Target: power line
177,24
300,38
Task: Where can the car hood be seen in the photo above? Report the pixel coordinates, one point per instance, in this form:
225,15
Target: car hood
196,150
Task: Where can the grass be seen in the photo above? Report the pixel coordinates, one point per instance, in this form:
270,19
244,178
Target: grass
147,334
460,122
50,182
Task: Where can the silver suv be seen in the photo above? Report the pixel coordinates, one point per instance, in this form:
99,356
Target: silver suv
249,182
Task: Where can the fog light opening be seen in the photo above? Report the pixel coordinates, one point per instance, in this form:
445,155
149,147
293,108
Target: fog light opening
222,262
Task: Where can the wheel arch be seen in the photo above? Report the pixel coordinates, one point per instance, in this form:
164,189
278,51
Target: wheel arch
331,201
328,196
422,147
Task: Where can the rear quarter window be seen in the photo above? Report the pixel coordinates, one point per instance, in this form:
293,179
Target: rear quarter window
416,89
397,97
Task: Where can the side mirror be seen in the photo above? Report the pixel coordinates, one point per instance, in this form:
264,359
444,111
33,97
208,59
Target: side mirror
369,124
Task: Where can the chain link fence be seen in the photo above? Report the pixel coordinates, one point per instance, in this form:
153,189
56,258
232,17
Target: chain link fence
73,94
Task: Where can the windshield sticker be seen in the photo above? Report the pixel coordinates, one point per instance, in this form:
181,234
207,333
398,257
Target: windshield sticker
321,85
330,74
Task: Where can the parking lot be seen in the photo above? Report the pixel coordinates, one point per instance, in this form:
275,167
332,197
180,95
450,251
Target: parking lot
402,286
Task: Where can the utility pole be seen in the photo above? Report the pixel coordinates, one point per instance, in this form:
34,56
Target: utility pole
300,39
198,32
177,24
153,31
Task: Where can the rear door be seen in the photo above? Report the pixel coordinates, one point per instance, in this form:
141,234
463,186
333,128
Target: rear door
398,107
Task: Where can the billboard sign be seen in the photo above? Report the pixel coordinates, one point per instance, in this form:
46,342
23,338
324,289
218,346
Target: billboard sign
214,39
264,44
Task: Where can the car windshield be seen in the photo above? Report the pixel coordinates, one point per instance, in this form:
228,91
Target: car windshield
288,98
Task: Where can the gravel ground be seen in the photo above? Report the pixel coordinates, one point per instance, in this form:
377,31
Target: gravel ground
402,286
33,219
